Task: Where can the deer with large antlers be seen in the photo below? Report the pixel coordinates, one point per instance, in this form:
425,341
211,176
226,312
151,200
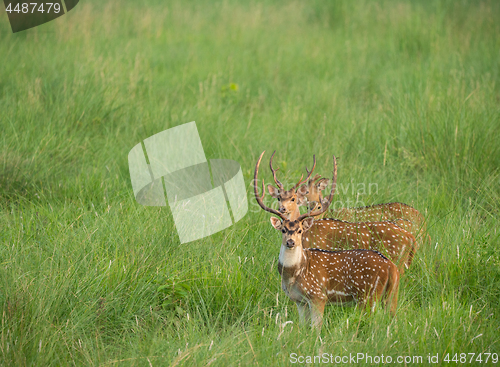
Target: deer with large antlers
314,277
333,234
402,214
289,200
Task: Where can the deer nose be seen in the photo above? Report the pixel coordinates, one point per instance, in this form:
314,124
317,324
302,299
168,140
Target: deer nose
290,243
282,209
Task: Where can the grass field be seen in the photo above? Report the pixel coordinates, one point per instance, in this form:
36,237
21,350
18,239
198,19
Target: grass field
405,93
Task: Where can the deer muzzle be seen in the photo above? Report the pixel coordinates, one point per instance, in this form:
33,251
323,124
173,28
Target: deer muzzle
290,243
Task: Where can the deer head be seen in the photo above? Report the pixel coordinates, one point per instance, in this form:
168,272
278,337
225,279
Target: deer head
289,200
282,213
292,229
311,192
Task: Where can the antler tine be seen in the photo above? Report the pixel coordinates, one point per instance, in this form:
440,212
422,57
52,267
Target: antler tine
314,166
298,183
260,198
314,179
308,174
280,185
330,198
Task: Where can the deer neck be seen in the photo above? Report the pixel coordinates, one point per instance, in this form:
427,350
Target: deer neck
294,214
291,261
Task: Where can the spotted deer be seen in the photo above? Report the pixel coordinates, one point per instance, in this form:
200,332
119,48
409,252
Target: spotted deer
333,234
312,191
313,277
402,214
289,200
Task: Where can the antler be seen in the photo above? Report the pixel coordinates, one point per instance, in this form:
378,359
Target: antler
260,198
309,173
308,176
280,185
330,198
314,179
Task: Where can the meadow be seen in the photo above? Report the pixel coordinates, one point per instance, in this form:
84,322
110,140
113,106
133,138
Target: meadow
405,93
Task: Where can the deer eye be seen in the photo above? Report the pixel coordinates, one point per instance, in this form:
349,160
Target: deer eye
278,199
293,199
300,231
283,230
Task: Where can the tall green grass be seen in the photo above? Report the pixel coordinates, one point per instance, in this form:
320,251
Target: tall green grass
405,93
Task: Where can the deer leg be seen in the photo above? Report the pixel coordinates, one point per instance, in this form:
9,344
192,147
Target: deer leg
380,290
393,300
317,308
366,299
304,313
392,290
362,302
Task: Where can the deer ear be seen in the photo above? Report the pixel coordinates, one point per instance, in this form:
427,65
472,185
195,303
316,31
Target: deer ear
302,191
322,184
276,222
273,191
307,223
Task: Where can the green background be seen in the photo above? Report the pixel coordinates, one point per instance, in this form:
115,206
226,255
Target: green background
405,93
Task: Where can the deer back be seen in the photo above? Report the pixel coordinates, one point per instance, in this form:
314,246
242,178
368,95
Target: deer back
386,237
343,276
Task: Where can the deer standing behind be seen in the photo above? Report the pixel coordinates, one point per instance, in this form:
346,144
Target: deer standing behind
314,277
402,214
332,234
